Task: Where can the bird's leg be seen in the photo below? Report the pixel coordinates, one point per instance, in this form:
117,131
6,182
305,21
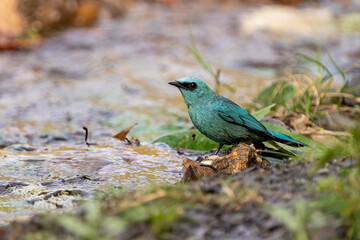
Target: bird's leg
217,151
259,145
229,150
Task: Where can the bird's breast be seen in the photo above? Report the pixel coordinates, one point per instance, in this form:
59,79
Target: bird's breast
207,121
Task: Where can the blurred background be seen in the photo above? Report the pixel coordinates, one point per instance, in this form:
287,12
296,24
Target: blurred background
68,63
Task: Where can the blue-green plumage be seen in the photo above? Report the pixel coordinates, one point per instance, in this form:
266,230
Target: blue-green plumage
222,120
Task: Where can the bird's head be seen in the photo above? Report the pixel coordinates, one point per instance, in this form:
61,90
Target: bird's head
193,90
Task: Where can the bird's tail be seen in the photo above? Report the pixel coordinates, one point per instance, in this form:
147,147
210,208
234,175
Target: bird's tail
279,137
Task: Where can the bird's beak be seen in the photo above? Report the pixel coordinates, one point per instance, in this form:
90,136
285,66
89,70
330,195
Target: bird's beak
176,84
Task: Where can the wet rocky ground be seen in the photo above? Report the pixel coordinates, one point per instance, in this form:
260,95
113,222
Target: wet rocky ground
217,207
115,73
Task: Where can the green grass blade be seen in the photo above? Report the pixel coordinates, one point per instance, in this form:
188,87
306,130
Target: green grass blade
317,62
337,67
260,114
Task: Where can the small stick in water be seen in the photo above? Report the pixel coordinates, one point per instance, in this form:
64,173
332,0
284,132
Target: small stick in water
86,136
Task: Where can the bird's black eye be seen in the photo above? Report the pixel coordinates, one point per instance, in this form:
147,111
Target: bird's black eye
192,86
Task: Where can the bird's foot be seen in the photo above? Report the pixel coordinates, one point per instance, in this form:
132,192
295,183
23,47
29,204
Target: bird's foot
218,150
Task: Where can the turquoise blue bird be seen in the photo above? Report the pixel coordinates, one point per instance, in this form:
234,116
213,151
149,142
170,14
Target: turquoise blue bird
222,120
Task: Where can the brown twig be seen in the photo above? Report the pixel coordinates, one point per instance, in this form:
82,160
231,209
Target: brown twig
344,95
128,141
87,136
337,108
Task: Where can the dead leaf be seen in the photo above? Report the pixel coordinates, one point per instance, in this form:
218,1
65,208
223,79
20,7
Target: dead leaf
122,135
16,44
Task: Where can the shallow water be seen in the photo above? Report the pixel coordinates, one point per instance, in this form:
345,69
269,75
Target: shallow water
76,166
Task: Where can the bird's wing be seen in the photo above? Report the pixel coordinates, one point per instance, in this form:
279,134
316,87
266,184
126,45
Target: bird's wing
232,113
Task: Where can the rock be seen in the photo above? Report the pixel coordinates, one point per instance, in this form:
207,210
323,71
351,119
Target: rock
240,157
73,180
65,198
7,186
193,170
71,192
21,148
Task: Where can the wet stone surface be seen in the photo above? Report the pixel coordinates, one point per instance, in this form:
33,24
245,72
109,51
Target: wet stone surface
8,186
